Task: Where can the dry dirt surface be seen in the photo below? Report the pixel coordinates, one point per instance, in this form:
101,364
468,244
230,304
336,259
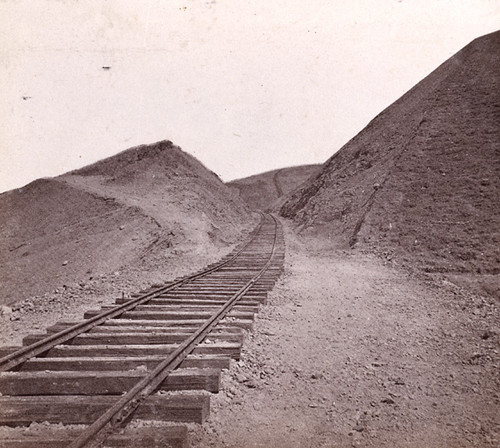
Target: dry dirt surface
355,347
350,351
68,302
263,191
420,185
148,207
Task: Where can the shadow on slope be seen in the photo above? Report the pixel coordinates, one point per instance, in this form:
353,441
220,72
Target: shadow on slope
53,233
146,206
170,186
420,184
264,191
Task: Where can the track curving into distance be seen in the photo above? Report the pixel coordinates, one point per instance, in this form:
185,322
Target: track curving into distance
131,360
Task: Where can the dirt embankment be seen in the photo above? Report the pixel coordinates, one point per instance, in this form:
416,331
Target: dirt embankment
420,184
54,234
147,206
263,191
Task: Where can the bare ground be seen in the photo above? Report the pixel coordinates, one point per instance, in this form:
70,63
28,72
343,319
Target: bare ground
421,182
266,190
354,352
349,351
71,300
147,206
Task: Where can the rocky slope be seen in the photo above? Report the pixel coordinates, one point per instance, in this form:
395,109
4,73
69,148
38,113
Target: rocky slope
147,205
263,191
421,183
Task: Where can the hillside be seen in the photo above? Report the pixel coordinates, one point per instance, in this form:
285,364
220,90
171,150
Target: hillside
262,191
421,183
146,206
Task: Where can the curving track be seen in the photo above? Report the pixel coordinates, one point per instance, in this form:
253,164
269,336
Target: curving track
152,357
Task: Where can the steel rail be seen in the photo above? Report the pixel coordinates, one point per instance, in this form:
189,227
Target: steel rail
126,405
23,354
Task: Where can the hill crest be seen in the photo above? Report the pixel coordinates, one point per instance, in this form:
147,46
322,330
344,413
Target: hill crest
145,206
420,183
265,190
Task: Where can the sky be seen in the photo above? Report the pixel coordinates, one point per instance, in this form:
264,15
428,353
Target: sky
244,86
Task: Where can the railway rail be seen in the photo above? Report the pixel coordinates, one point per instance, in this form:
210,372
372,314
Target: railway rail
156,356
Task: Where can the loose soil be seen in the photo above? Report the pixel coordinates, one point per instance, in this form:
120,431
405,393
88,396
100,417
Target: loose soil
421,183
356,347
265,191
69,302
144,207
350,351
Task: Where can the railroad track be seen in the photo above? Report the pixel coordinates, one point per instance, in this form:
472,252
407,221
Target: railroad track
154,357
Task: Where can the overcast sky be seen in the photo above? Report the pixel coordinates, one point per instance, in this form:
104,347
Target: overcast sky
246,86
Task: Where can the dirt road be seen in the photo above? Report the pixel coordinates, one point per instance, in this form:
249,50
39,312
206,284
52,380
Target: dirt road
352,352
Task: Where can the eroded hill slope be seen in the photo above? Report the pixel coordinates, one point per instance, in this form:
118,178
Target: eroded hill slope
421,183
263,191
146,206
